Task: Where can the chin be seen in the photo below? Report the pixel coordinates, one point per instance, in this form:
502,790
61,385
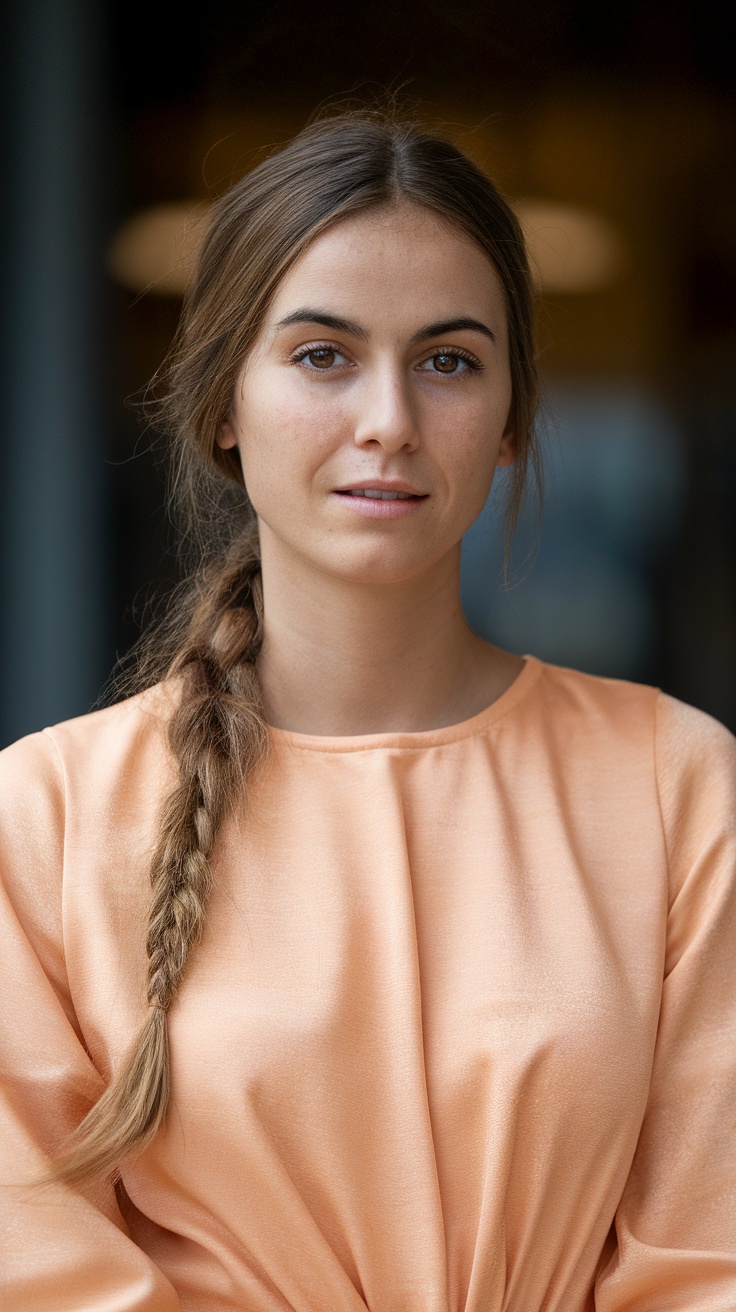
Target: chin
378,567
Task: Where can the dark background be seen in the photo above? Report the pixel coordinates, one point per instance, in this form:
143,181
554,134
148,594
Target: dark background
625,111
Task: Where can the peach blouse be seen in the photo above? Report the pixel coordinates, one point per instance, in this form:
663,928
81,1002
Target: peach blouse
460,1035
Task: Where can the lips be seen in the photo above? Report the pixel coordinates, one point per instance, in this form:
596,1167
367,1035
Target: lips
383,500
375,495
388,489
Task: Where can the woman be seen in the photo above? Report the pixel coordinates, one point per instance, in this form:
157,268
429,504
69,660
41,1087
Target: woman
431,1006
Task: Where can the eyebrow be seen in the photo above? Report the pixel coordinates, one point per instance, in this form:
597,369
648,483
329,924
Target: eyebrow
452,326
308,315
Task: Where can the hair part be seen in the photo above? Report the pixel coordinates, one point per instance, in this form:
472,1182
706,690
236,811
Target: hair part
211,636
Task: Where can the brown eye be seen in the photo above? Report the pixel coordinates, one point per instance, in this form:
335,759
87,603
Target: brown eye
322,357
445,364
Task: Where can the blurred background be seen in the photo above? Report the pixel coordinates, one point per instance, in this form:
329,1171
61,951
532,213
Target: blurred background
612,130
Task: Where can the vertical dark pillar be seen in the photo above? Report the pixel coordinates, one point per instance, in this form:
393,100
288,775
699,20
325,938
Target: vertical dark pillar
52,451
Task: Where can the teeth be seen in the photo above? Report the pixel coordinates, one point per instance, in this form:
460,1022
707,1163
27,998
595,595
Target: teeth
376,495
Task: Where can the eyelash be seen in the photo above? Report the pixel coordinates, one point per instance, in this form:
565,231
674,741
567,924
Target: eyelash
304,351
456,352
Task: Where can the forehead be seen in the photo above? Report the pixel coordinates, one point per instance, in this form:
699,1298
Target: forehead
401,260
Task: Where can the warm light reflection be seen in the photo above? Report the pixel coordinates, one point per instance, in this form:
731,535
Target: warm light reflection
155,250
572,250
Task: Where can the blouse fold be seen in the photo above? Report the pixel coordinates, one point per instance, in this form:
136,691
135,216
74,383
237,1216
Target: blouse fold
460,1035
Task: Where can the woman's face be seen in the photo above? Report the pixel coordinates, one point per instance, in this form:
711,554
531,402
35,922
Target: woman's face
373,408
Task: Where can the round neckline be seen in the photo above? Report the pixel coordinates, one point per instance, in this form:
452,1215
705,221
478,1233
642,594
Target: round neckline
418,739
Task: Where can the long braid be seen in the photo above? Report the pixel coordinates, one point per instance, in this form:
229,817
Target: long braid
217,735
333,169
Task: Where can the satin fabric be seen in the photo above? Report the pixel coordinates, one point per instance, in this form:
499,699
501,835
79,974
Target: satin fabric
460,1035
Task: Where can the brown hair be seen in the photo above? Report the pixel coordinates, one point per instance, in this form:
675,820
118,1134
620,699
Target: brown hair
211,637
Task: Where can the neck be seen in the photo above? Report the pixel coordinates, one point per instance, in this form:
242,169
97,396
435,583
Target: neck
341,658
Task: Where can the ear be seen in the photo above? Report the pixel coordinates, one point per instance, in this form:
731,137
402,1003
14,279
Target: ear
507,449
226,436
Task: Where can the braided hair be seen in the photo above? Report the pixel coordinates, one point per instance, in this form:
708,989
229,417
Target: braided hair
210,641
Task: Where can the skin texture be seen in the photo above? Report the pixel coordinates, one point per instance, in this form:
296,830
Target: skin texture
364,631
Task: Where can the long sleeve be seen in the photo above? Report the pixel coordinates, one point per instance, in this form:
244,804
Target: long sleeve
676,1222
465,997
61,1249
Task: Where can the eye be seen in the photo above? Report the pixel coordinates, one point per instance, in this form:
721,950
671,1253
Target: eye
446,364
319,358
455,361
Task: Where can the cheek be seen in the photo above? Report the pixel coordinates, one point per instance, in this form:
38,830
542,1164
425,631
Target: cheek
474,474
469,451
284,436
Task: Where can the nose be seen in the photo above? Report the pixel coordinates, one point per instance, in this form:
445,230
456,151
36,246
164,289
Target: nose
386,415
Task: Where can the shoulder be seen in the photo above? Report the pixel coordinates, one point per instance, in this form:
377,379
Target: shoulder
117,753
81,794
571,693
112,728
690,740
679,732
681,737
32,802
695,762
108,737
585,718
73,768
629,734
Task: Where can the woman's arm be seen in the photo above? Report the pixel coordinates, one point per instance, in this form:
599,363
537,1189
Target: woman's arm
676,1223
61,1249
